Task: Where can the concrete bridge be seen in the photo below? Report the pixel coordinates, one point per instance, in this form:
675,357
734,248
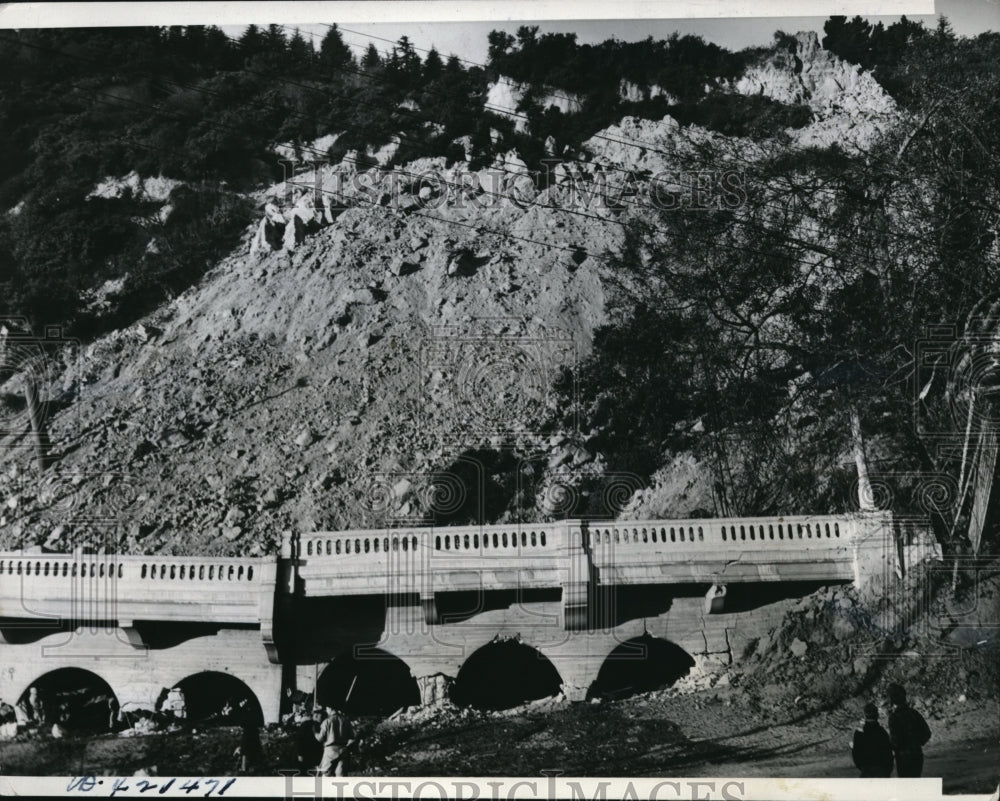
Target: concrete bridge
387,617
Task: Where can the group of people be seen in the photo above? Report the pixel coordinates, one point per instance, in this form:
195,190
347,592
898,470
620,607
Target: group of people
324,737
283,227
323,742
59,714
875,751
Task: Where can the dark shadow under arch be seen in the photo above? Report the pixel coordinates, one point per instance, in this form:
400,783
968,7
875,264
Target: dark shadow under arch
639,665
504,674
367,681
78,699
214,696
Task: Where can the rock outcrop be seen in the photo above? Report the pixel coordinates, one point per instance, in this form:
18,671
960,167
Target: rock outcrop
849,106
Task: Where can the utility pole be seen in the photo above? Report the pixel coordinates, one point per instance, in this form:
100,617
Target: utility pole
10,342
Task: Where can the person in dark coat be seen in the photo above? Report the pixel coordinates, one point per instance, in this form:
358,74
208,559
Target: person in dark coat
308,750
908,733
871,749
251,753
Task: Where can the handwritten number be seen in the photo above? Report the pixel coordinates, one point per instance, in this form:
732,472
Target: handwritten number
166,787
119,785
214,783
187,787
83,783
227,785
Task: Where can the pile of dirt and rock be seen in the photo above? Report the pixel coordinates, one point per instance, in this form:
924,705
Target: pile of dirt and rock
339,382
839,646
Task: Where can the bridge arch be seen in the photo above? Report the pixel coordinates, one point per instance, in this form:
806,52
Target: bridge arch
208,692
640,664
505,673
76,697
367,681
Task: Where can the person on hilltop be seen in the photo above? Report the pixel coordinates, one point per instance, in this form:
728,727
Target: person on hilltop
908,733
336,735
871,749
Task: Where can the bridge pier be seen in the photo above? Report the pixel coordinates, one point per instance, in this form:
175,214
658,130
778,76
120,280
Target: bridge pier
576,586
434,689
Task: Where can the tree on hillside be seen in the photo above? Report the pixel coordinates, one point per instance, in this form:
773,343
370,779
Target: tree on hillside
251,43
848,39
402,69
371,59
334,53
300,54
433,66
500,42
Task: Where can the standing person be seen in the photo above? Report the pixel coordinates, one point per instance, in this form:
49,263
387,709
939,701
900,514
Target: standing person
308,750
33,708
908,733
114,713
336,735
251,753
871,749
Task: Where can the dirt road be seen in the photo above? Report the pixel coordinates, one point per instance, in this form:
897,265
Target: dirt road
702,734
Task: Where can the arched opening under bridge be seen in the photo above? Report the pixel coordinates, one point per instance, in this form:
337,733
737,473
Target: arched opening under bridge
504,674
367,681
77,699
639,665
212,696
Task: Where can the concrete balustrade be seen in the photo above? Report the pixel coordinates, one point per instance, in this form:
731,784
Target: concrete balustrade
130,568
686,536
109,586
370,543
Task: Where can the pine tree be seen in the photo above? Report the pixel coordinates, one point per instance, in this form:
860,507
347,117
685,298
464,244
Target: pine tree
334,53
500,42
433,65
275,47
404,64
251,43
371,58
300,53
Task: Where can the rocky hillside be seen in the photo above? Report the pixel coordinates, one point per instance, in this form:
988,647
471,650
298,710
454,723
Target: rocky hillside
397,365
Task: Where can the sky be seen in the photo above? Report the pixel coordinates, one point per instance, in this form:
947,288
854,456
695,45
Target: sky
468,39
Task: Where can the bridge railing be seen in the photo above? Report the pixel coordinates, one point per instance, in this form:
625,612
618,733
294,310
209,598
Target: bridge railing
444,542
682,538
150,569
424,560
537,540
